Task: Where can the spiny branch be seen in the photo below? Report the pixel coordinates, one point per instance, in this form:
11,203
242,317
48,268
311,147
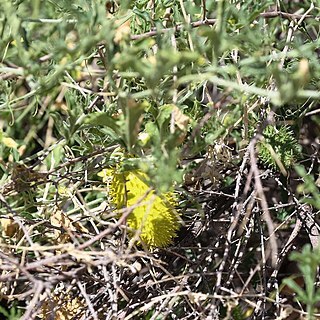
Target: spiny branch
266,15
176,28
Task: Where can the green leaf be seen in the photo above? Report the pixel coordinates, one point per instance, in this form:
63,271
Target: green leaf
294,286
103,119
133,113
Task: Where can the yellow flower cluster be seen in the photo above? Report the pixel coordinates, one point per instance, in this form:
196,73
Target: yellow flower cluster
153,216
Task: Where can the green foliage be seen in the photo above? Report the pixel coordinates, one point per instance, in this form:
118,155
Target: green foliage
308,261
310,188
171,88
237,313
279,147
12,314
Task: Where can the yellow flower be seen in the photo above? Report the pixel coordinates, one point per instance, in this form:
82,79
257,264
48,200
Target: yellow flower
153,216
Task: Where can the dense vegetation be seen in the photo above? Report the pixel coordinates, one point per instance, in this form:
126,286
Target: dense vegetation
159,159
